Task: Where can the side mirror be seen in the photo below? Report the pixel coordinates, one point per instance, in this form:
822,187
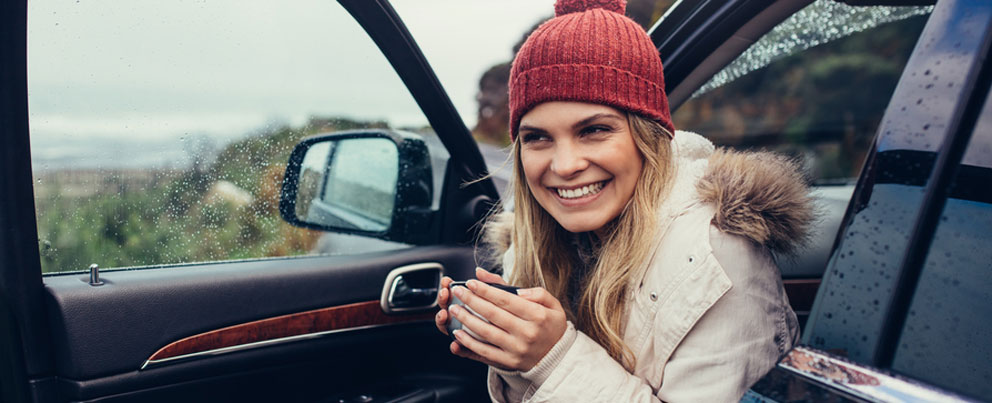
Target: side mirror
376,183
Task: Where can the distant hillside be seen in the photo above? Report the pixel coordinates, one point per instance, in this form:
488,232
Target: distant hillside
220,208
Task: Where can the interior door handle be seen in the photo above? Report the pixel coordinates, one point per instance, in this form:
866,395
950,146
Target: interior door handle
405,296
411,288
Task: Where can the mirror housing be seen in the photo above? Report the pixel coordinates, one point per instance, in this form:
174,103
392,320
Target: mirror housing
375,183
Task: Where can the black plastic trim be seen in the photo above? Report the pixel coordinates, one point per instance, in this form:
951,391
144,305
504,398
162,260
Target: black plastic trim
20,267
935,196
685,38
389,33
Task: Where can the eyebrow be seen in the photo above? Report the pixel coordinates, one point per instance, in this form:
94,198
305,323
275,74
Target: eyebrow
529,128
593,118
575,126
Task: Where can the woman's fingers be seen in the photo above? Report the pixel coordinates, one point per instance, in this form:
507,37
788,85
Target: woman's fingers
486,331
443,296
488,277
483,352
462,351
522,308
540,296
496,305
441,321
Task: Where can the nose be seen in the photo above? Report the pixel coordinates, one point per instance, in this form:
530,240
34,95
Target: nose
568,160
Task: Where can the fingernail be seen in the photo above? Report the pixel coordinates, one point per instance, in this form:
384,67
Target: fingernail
458,291
523,292
472,284
454,309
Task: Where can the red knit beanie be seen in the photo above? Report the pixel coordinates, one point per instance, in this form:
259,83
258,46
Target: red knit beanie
590,52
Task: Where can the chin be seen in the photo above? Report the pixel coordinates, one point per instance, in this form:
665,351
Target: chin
576,226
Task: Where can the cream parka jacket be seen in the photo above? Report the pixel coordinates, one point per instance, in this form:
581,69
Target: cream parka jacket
708,316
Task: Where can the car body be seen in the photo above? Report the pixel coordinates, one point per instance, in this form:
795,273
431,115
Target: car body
334,327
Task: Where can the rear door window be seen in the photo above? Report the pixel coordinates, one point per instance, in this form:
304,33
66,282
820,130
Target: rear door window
815,86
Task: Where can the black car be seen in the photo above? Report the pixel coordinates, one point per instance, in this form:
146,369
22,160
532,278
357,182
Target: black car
899,270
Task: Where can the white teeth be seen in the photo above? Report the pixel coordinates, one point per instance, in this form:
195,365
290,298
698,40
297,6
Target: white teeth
580,192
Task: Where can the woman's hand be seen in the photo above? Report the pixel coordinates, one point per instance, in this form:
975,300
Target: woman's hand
443,299
522,328
444,296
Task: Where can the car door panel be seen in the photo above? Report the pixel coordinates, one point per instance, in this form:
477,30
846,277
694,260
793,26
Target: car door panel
105,334
402,358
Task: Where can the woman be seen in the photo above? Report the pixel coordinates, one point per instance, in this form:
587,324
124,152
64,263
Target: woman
643,254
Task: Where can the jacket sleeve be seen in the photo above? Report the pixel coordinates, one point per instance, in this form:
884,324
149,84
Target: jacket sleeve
585,373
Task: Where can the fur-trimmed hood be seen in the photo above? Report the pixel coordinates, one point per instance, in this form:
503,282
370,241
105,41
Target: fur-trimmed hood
761,196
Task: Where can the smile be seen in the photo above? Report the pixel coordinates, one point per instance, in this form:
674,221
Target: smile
580,192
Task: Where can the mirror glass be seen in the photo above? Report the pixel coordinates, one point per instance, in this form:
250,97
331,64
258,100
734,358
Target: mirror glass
349,183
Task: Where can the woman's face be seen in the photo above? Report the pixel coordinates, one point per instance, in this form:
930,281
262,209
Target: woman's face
580,162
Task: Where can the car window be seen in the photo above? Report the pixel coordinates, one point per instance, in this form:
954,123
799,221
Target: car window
160,129
815,86
945,338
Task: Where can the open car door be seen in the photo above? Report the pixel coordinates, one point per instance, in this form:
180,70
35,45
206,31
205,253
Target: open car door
159,325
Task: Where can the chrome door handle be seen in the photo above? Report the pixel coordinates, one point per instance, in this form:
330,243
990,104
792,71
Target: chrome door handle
411,288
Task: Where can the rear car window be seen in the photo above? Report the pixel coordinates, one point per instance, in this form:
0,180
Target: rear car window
815,86
945,338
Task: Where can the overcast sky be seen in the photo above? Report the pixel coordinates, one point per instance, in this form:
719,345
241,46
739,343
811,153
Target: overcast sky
146,75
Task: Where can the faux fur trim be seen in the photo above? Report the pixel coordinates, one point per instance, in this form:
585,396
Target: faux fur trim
498,233
761,196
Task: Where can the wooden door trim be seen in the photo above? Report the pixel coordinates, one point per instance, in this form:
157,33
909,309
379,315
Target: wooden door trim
281,329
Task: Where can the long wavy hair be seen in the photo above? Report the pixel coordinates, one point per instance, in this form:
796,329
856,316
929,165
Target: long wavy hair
541,244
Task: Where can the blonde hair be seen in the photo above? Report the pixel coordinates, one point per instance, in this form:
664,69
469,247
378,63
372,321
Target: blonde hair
540,243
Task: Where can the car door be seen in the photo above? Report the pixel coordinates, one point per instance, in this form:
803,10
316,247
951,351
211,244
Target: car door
161,324
901,314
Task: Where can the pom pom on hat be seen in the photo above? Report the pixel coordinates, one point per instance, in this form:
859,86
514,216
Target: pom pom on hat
563,7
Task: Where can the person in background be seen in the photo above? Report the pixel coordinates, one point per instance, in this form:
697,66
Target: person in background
644,255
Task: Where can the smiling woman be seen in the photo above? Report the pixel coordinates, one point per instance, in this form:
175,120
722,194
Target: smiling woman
641,253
